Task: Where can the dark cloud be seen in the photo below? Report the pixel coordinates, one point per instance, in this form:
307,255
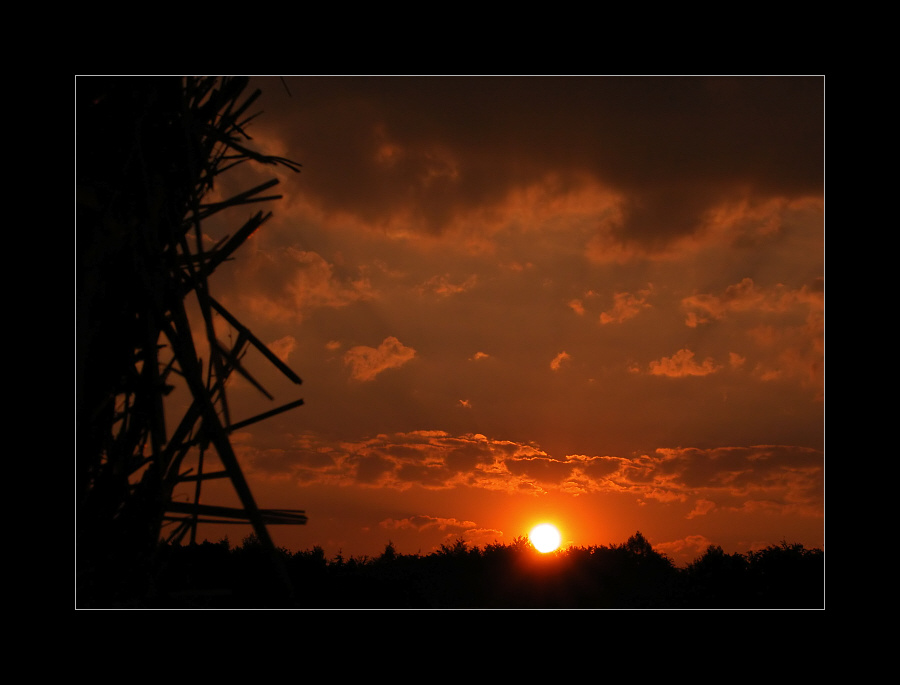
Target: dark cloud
370,468
433,147
467,456
541,469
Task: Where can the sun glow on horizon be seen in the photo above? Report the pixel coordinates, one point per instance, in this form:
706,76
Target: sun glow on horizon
545,538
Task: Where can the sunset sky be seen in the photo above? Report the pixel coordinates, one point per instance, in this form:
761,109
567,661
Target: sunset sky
592,301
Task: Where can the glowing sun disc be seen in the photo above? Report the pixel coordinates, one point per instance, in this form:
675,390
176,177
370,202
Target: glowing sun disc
545,537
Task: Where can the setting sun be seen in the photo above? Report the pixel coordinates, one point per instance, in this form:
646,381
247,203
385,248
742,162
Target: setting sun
545,537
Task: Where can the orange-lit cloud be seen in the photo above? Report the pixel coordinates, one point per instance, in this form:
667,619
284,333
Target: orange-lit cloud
290,283
367,362
445,286
787,326
682,364
701,508
425,522
747,296
744,221
685,550
283,347
626,306
577,306
558,360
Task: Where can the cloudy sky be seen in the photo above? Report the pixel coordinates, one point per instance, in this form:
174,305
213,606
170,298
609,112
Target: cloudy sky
592,301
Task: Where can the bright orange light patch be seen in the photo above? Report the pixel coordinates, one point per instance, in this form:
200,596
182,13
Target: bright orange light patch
545,537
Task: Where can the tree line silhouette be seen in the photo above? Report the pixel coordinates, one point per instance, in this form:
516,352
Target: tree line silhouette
631,575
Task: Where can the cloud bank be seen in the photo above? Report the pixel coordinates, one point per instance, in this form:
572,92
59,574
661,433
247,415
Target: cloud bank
779,477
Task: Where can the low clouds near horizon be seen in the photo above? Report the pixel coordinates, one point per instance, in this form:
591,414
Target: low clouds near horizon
774,477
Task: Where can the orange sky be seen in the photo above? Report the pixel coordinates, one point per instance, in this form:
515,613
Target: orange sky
595,301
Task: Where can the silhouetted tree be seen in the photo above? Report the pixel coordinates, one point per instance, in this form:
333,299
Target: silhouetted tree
515,575
787,576
717,580
389,554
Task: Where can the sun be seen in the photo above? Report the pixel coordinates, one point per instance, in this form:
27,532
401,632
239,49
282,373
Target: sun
545,537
